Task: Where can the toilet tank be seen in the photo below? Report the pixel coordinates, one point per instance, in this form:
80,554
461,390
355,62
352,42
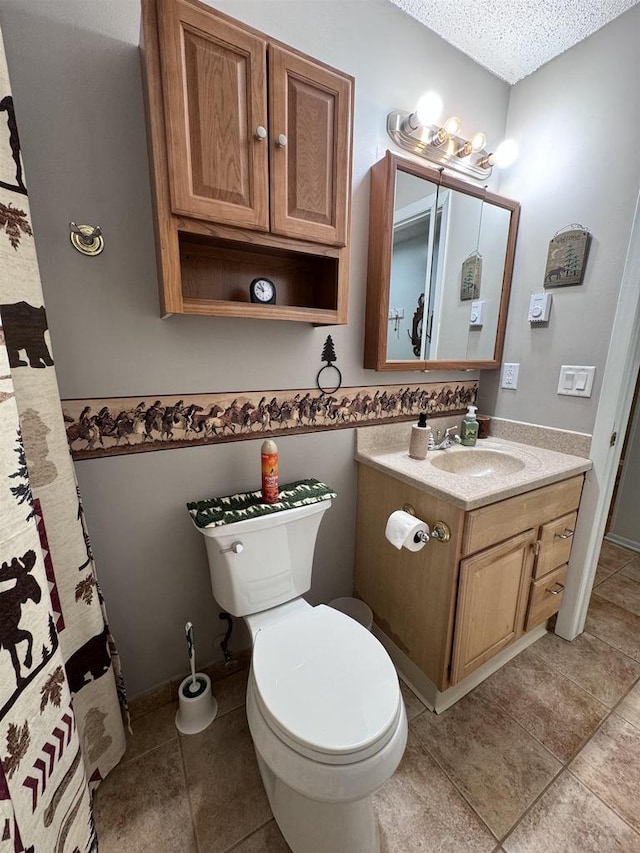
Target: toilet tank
265,561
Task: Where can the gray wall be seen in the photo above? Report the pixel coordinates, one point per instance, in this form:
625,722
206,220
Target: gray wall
75,74
574,120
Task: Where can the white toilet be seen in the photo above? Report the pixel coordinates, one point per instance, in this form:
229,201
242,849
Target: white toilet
323,702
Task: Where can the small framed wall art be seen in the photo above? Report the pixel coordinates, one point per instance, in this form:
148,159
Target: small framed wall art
567,256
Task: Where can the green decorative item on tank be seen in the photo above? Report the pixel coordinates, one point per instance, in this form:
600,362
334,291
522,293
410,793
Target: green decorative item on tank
226,510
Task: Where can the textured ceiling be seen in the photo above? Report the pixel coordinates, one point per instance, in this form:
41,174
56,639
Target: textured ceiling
512,38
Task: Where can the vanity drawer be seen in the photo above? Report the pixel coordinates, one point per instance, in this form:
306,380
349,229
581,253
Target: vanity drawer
556,538
495,523
546,597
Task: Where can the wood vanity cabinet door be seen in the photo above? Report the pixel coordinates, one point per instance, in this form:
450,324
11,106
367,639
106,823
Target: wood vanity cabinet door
492,599
310,148
215,95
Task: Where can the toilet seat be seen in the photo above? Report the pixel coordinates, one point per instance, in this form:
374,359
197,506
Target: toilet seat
326,686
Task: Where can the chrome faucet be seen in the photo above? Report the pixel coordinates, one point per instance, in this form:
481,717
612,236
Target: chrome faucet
448,440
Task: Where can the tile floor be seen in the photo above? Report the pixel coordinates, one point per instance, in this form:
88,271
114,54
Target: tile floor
543,756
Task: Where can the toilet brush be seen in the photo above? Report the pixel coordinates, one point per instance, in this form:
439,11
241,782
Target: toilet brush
191,653
197,707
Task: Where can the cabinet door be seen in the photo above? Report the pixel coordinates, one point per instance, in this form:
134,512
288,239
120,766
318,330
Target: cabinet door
492,598
310,144
215,98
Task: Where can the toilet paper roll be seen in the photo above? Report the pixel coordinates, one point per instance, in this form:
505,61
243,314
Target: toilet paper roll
401,530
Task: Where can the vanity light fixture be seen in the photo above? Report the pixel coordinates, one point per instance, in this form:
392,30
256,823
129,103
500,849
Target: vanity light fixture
505,155
422,133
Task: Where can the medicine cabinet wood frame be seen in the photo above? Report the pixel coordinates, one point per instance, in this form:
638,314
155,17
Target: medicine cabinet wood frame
381,207
228,205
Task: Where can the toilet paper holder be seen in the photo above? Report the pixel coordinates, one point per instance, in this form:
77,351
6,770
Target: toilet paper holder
439,530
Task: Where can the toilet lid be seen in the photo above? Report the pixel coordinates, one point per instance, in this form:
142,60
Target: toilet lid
326,682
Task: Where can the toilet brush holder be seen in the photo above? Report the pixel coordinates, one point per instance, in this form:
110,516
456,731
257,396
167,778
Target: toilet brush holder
197,707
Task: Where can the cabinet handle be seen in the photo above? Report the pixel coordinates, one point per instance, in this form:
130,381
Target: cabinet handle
566,535
261,133
558,588
281,141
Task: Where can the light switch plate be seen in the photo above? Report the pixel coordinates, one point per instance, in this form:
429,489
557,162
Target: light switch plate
510,376
576,380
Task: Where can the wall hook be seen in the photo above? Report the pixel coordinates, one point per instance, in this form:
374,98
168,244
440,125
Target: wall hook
87,239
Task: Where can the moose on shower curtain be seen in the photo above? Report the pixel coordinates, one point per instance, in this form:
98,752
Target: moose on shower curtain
61,727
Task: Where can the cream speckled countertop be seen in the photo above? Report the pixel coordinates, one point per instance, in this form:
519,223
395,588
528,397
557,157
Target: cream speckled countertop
388,452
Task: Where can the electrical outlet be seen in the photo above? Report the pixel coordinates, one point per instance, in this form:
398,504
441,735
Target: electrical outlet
510,376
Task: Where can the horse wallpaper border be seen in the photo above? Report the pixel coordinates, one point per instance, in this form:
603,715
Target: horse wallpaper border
112,426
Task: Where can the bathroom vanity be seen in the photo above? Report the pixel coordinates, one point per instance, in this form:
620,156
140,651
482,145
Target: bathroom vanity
453,612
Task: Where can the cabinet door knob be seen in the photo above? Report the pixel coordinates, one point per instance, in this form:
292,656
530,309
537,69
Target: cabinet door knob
558,588
281,141
261,133
567,534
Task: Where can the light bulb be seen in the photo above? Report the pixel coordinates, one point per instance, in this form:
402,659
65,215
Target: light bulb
478,141
428,108
452,125
505,154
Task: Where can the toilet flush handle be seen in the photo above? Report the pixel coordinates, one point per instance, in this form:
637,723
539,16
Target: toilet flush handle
236,547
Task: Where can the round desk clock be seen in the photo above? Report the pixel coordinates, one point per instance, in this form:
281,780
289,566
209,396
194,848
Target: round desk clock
262,291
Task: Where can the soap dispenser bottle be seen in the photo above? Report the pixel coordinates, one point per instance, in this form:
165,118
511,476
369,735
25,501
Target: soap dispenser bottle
420,433
469,427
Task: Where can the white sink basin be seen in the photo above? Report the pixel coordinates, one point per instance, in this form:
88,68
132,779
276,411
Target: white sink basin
476,462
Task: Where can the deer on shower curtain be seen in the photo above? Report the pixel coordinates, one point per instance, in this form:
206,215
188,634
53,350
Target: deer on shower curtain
61,692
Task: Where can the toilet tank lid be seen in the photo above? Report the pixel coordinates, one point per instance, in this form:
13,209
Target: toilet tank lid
326,680
229,509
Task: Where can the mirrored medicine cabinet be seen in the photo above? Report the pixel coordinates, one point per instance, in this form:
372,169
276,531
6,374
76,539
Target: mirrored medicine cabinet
441,256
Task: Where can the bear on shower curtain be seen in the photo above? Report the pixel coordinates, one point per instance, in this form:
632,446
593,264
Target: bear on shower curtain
61,692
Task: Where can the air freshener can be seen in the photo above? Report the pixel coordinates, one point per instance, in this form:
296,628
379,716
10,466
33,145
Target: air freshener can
270,485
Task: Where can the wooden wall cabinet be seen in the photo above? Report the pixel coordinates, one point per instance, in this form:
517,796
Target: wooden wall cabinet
451,607
250,147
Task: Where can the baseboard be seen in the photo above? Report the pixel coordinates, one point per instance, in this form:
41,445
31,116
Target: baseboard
625,543
167,691
426,690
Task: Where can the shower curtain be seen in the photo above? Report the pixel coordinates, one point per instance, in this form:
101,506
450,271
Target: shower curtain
61,693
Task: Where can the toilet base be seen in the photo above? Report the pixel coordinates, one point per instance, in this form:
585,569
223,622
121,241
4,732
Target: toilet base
314,826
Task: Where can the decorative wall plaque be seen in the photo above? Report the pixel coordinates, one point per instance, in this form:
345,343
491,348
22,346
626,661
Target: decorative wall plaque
470,277
567,258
